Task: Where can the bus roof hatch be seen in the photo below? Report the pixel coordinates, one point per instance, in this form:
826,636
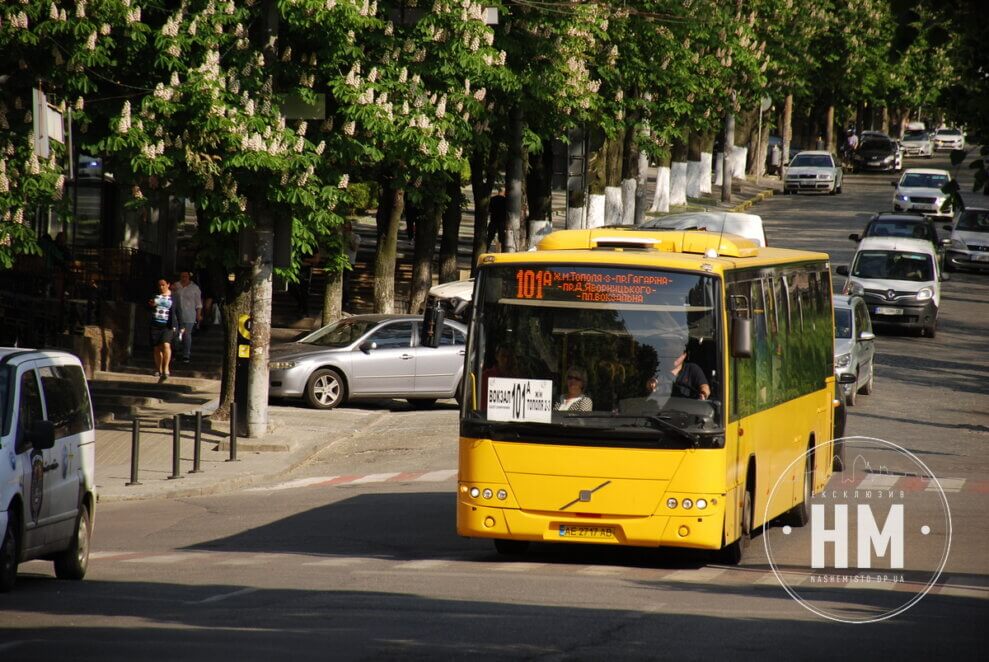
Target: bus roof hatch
708,244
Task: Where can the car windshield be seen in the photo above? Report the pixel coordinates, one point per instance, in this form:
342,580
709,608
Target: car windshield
876,144
890,228
949,132
812,161
894,265
562,353
923,180
912,137
340,334
842,322
974,220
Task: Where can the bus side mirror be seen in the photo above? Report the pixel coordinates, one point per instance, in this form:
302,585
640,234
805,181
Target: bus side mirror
741,337
432,325
841,270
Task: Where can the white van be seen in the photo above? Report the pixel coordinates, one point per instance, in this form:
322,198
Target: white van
47,453
900,280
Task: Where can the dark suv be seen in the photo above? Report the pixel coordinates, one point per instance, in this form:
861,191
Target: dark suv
875,152
914,226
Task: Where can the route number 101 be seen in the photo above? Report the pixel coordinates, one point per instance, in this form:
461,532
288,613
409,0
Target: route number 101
531,283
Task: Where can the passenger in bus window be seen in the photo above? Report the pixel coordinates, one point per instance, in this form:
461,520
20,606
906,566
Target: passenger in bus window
504,366
573,399
677,377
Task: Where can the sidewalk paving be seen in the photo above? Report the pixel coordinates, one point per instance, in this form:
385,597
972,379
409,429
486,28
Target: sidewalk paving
296,434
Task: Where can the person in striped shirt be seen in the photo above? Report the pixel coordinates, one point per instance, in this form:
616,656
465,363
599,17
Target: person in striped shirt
163,327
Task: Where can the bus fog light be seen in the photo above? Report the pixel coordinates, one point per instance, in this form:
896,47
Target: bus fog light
701,504
474,492
502,494
683,532
487,493
688,504
671,503
489,522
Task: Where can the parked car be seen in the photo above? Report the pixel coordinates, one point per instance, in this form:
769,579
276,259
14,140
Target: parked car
902,225
369,356
919,190
815,171
854,346
743,225
875,152
48,445
899,279
948,138
968,245
918,144
454,298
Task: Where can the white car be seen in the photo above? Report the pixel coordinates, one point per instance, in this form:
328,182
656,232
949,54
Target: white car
969,243
854,347
900,280
949,139
919,190
813,171
918,144
743,225
48,451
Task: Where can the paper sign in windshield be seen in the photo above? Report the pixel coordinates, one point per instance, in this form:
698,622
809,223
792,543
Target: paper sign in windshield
529,400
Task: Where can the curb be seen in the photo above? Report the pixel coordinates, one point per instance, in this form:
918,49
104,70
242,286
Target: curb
238,482
768,193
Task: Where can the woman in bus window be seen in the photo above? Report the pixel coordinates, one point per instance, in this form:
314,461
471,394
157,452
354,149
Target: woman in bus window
574,399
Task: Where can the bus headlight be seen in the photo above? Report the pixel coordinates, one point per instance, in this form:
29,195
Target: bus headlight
701,504
671,503
474,492
502,495
487,493
688,504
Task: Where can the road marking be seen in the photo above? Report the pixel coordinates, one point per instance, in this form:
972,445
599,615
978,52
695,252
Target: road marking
602,571
520,566
699,575
338,561
878,482
373,478
789,578
292,484
947,484
99,556
223,596
242,560
431,476
422,564
160,558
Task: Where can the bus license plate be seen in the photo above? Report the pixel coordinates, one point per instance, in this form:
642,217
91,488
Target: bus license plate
883,310
586,531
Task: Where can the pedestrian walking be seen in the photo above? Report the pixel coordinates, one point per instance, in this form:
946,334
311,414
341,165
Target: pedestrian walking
497,220
189,304
163,328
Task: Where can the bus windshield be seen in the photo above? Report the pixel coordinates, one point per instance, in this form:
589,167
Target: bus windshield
610,355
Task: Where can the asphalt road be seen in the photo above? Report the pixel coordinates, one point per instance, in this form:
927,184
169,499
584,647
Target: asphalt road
358,558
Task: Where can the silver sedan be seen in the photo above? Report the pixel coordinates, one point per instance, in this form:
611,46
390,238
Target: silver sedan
369,356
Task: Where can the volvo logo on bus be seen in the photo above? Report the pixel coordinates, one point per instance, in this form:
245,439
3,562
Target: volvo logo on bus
585,495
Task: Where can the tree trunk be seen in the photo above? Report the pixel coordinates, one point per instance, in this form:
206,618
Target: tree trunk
333,296
452,215
513,180
829,137
678,171
427,228
257,382
642,179
482,169
661,196
694,168
237,302
787,128
384,259
726,168
630,174
577,176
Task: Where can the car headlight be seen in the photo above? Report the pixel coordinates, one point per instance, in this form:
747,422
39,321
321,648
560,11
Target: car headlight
901,198
842,360
280,365
825,175
924,294
851,287
888,159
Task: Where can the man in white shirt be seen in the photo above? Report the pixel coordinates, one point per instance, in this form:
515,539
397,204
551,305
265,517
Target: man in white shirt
190,311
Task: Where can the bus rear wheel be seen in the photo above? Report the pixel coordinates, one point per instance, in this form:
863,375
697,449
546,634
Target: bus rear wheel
511,547
733,553
799,515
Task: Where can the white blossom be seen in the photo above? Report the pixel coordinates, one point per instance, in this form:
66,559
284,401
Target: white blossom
344,182
443,147
19,216
136,192
53,12
91,42
320,147
105,29
81,9
125,122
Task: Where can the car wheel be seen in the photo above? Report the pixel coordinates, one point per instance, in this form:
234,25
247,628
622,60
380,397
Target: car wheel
72,563
9,553
734,553
930,329
850,398
325,389
838,190
511,547
421,403
949,266
868,386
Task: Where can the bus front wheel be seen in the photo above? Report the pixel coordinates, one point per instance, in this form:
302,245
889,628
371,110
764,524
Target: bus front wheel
734,552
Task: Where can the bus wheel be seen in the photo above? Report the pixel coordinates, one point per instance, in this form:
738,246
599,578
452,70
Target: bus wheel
511,547
799,515
838,459
734,552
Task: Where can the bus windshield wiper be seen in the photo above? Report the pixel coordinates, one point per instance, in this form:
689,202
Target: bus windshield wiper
657,420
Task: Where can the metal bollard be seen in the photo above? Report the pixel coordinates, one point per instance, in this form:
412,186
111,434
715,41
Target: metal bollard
196,448
176,445
135,451
233,432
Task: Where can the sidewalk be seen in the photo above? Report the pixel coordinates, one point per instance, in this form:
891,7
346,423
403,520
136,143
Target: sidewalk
297,434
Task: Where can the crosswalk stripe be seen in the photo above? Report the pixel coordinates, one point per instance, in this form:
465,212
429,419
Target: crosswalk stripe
108,555
292,484
878,482
431,476
698,575
336,562
602,571
422,564
947,484
373,478
160,558
517,566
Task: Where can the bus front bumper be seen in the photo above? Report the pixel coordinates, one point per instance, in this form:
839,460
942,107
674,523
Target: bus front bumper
699,531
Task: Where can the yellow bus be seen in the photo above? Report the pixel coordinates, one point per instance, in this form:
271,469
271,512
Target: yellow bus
645,388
